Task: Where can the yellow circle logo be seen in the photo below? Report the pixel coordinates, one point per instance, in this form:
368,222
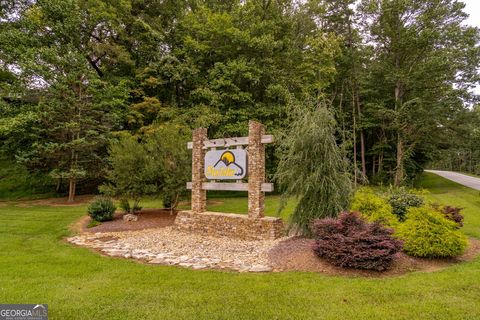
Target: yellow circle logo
227,158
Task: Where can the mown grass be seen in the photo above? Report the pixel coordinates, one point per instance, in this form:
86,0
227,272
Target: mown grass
240,205
37,266
219,202
446,192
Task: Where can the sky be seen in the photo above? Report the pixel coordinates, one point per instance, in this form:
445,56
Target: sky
473,9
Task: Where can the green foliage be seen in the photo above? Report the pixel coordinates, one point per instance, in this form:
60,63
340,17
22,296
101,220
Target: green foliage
401,199
124,204
170,162
312,167
407,88
461,149
234,63
427,233
93,223
374,207
397,74
160,163
446,192
17,183
127,208
101,209
129,176
66,134
72,109
33,231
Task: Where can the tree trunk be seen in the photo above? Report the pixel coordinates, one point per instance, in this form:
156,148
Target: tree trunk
362,154
399,172
71,190
340,106
398,179
59,184
374,159
362,139
380,162
354,142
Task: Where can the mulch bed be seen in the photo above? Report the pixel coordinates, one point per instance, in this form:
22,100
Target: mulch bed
296,254
147,219
293,254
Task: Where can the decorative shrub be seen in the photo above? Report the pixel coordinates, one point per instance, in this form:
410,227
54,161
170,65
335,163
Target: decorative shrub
136,207
374,208
453,214
127,208
93,223
401,199
171,165
312,167
151,165
130,175
350,241
427,233
125,205
101,209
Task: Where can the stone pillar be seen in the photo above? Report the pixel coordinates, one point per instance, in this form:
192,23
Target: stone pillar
199,196
256,170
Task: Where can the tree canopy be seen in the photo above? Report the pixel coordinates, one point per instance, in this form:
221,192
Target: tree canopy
398,75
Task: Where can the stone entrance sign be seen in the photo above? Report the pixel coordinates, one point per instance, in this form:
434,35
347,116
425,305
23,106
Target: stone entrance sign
232,160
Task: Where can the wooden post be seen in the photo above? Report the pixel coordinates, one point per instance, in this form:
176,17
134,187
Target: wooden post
199,196
256,170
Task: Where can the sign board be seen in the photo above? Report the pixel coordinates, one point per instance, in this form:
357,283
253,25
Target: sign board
226,164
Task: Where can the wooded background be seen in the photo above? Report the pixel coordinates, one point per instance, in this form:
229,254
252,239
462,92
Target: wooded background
397,75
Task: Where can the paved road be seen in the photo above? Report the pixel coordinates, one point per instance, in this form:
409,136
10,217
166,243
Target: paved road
468,181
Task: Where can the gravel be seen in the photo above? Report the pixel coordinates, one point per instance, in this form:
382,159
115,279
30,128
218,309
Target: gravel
169,246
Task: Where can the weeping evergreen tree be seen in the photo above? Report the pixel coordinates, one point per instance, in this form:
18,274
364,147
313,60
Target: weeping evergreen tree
313,168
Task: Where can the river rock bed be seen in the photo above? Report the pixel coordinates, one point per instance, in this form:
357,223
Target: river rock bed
169,246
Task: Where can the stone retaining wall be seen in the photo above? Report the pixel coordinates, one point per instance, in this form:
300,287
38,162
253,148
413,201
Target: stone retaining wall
232,225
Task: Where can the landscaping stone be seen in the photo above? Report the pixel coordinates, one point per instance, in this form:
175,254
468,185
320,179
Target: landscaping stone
185,264
260,268
115,252
130,217
157,261
170,246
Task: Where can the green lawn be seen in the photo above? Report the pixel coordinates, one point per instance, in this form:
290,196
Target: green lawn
218,202
240,205
444,191
37,266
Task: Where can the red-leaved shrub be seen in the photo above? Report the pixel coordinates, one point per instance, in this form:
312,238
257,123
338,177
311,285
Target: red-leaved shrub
351,242
453,213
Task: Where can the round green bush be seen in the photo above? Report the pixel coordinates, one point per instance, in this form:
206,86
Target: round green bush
374,208
101,209
401,199
427,233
